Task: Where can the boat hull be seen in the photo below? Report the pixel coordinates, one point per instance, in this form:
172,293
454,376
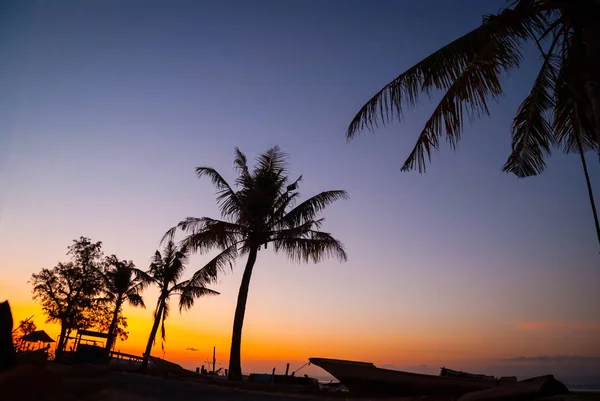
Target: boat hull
366,378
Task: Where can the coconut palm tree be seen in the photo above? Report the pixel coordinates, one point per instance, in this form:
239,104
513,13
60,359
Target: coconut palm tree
562,108
123,282
166,271
260,210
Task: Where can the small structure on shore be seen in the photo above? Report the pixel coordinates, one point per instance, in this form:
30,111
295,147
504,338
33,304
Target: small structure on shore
87,349
38,338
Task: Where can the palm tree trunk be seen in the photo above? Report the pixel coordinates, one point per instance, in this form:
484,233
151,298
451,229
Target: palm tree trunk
589,187
235,363
157,318
113,325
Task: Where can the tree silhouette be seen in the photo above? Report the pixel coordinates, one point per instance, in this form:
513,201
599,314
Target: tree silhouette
122,283
69,292
26,326
562,108
258,212
165,272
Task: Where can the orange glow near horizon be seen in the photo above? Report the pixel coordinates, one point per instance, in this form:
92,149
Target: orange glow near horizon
261,348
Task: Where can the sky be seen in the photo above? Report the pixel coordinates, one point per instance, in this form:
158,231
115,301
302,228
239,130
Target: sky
108,106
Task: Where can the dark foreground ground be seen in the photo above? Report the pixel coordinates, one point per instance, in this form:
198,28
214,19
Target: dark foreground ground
81,383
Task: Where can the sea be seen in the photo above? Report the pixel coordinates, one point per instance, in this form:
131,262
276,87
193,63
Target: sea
584,387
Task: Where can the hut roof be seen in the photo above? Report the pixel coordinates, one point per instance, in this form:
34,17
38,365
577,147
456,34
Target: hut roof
38,335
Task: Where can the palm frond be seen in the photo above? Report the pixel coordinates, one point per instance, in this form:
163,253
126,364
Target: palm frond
207,233
442,68
189,293
208,274
573,115
300,230
163,331
244,179
309,209
467,96
143,279
271,161
532,133
227,198
169,235
136,300
314,247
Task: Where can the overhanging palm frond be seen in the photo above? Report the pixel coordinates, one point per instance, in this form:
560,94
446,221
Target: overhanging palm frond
310,208
468,95
442,68
314,247
573,115
189,293
532,133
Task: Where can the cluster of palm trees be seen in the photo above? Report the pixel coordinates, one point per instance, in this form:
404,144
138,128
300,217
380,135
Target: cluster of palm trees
123,282
261,208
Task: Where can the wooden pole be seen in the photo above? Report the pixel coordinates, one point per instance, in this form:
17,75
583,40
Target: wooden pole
287,368
273,377
214,358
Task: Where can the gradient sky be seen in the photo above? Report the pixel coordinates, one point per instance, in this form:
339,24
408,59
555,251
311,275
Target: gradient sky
107,107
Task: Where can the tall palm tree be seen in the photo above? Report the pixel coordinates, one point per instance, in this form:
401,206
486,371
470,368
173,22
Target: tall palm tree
123,283
258,212
562,109
166,271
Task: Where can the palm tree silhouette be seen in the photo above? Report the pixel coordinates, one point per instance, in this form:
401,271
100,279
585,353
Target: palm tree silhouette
123,282
258,212
165,271
562,108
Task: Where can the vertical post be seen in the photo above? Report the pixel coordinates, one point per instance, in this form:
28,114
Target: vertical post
7,351
273,377
214,358
287,368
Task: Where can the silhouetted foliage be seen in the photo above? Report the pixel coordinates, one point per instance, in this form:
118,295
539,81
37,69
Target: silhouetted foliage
561,110
562,107
74,294
165,272
122,283
260,210
25,326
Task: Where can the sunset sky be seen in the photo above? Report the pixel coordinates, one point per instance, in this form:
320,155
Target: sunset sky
108,106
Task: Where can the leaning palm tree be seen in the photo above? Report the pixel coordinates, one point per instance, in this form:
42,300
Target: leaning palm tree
123,282
260,210
166,271
562,109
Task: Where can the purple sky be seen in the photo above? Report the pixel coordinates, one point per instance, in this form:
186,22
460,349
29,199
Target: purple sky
107,107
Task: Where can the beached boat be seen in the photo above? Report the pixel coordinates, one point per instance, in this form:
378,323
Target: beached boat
460,373
366,378
536,387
